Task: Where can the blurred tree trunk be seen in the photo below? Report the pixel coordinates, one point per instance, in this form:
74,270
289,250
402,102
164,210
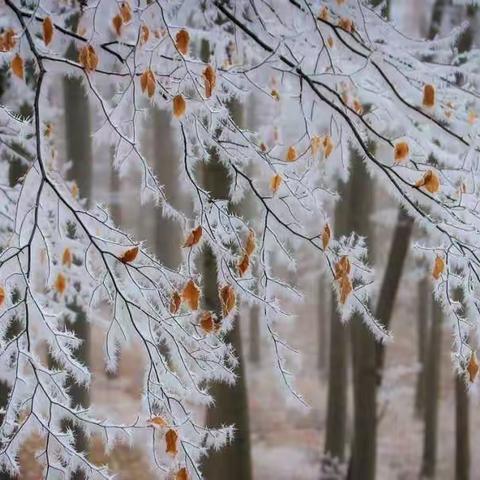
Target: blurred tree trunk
335,433
79,152
115,196
423,289
462,430
254,351
231,401
363,455
322,360
432,392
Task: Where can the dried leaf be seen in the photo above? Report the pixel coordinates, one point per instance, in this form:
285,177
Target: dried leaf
428,96
171,439
175,302
275,94
47,27
194,237
275,183
67,258
148,83
401,152
182,474
315,144
117,23
144,34
438,267
129,255
74,190
345,288
126,11
346,24
179,106
7,40
191,295
60,283
182,41
228,299
243,265
251,242
207,322
17,66
2,296
291,154
210,77
328,145
324,13
472,367
429,181
87,57
326,235
330,41
342,267
158,422
357,106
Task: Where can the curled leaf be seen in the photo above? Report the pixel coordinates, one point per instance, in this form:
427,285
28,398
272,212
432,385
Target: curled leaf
117,23
87,57
207,322
182,474
401,152
243,265
429,181
126,11
158,422
67,258
2,296
342,267
228,299
346,288
147,82
251,243
60,283
191,295
315,144
129,255
194,237
428,96
7,40
346,24
210,78
326,235
438,267
17,66
179,106
291,154
275,183
328,145
182,41
47,27
175,302
144,34
472,367
171,440
324,13
330,41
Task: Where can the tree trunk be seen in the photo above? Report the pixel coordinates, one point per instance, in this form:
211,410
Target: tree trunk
363,455
462,430
432,385
422,329
322,359
254,351
335,433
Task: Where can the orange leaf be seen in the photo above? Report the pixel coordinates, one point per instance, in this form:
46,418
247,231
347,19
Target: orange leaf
182,474
345,288
275,183
228,299
438,267
144,34
129,255
472,367
194,237
158,422
182,41
88,58
328,146
315,144
147,82
175,302
117,22
330,41
7,40
2,296
74,190
47,27
429,181
17,66
428,96
179,106
60,283
126,12
171,439
324,13
67,258
401,152
243,265
291,154
346,24
326,235
342,267
191,295
251,243
210,77
207,322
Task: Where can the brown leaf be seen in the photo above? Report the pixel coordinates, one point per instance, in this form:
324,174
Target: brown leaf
17,66
328,145
148,83
228,299
315,144
326,235
129,255
243,265
194,237
126,11
342,267
182,474
472,367
67,258
275,183
47,27
345,288
60,283
117,23
7,40
251,243
175,302
324,13
330,41
207,322
74,190
346,24
438,267
191,295
182,41
87,57
158,422
275,94
357,106
291,154
2,296
179,106
144,34
428,96
429,181
401,152
210,78
171,439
